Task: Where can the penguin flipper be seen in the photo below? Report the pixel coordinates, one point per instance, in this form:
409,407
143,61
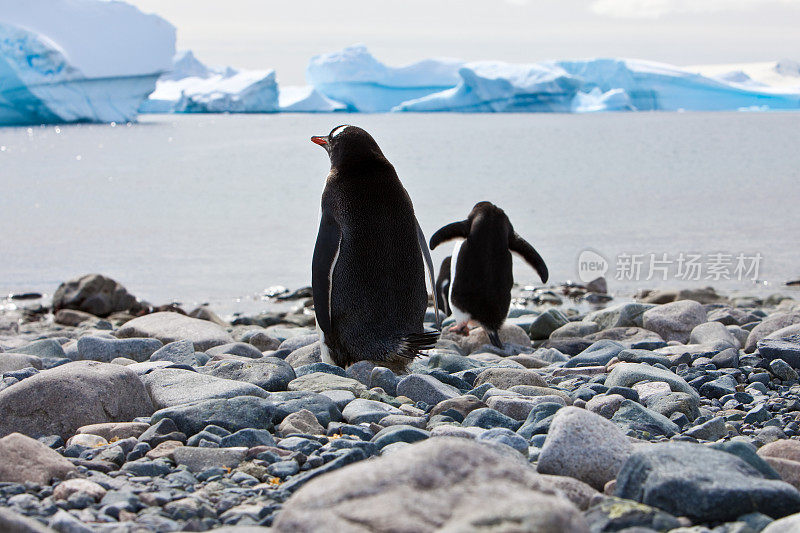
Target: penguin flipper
449,232
326,252
426,255
524,248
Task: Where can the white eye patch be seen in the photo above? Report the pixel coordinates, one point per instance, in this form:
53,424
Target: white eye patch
339,130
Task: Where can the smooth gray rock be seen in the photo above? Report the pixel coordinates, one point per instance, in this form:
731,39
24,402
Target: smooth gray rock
400,433
769,325
711,430
546,323
13,522
505,378
619,316
361,410
199,459
26,460
598,354
585,446
170,327
628,374
322,381
173,386
60,400
428,389
241,349
42,348
575,329
231,414
703,484
269,373
292,401
467,483
674,321
94,294
92,348
305,355
10,362
632,415
713,334
178,352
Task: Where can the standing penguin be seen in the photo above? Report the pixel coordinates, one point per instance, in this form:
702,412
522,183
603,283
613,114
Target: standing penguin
480,268
368,272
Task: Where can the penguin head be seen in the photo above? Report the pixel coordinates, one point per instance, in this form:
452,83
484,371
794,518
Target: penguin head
347,145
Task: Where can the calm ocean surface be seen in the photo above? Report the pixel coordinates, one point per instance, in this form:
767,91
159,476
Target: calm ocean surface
215,208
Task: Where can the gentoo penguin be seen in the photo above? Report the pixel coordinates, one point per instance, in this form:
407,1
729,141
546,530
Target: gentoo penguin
368,272
443,286
480,277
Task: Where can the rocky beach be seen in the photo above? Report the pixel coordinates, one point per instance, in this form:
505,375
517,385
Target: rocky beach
673,411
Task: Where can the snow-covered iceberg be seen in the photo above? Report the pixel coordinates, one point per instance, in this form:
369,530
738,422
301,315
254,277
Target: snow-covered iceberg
782,75
502,87
654,86
354,77
192,87
596,85
306,99
78,60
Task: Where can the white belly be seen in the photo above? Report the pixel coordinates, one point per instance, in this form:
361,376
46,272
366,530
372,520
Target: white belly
460,316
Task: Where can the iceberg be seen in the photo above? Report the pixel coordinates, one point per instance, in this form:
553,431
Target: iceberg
783,74
79,60
306,99
192,87
652,86
354,77
503,87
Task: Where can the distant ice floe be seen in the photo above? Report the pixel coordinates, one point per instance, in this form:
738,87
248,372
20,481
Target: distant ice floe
594,85
79,60
192,87
353,76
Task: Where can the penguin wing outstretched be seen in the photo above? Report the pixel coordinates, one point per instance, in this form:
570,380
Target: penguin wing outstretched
326,252
524,248
426,255
451,231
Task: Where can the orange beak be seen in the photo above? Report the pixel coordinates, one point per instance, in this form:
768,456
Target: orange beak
322,141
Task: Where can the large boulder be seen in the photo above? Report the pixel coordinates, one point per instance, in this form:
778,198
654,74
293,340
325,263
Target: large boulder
10,362
628,374
442,484
170,327
94,294
619,316
13,522
703,484
174,386
60,400
26,460
232,414
269,373
674,321
769,325
585,446
505,378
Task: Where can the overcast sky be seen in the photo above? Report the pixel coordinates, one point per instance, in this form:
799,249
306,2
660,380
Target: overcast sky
283,35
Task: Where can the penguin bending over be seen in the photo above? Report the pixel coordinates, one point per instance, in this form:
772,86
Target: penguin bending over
368,271
480,270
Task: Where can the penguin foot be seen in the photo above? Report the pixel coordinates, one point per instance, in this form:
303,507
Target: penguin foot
461,329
